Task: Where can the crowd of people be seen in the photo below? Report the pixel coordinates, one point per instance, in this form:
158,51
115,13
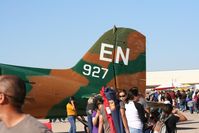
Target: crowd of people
181,99
121,111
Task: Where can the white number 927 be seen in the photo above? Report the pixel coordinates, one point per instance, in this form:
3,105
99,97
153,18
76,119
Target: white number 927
94,71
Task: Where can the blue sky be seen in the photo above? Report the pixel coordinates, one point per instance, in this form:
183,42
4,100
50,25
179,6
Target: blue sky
56,34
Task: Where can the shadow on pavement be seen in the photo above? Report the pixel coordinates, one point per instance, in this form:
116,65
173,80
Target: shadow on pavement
187,122
185,128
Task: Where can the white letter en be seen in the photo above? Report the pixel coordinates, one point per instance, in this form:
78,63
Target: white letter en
120,52
103,51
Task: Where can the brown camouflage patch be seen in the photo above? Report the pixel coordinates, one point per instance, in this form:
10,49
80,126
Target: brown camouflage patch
52,89
94,59
136,42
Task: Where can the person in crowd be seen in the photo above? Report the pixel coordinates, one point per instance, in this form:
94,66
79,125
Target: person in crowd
71,113
173,97
160,95
147,95
178,97
122,94
135,112
190,105
168,99
172,117
154,97
13,119
196,101
104,125
98,103
103,122
152,120
114,105
189,102
183,101
89,111
143,102
163,100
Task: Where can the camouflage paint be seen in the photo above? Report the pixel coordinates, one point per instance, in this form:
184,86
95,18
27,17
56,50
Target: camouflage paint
48,90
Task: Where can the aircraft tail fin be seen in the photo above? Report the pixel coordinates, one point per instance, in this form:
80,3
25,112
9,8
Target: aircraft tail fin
117,60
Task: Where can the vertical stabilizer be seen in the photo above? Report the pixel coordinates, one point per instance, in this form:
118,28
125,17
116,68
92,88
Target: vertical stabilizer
117,59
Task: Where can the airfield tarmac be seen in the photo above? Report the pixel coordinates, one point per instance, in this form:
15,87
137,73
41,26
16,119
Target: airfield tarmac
192,125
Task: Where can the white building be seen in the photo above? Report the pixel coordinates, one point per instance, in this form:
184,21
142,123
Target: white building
172,77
